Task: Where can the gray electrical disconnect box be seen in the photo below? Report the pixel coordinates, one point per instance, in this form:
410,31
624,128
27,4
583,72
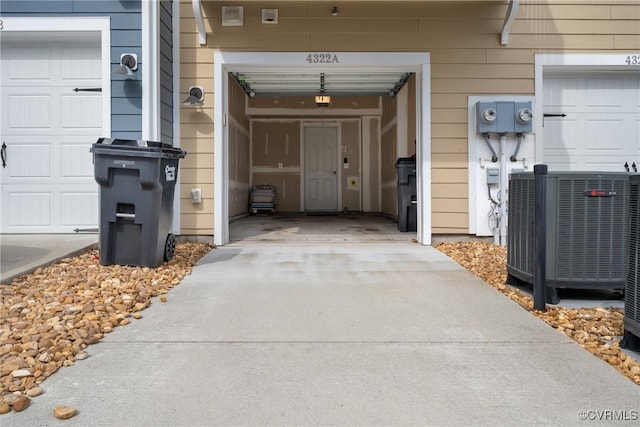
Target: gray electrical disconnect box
493,176
504,117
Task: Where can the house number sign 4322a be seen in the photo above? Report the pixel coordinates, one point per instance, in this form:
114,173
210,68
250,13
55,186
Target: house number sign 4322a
322,58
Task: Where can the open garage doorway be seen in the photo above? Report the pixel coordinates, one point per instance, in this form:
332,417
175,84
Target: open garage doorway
347,172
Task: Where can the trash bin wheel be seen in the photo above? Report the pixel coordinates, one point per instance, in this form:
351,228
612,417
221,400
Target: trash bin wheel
170,247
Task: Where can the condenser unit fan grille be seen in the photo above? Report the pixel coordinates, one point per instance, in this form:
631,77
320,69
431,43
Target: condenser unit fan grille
521,226
632,289
591,230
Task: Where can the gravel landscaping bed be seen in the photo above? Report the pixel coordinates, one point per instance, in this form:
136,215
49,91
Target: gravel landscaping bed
597,330
51,316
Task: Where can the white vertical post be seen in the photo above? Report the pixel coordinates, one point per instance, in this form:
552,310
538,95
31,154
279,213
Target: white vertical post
503,189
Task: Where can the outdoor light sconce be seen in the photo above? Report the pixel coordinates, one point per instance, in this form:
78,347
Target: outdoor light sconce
128,64
323,100
195,98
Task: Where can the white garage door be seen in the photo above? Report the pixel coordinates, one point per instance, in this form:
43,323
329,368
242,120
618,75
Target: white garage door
47,179
601,130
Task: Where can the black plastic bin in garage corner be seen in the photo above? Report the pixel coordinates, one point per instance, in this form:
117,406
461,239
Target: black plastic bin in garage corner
407,209
137,182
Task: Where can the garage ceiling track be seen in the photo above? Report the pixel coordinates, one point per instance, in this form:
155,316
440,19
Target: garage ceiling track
283,83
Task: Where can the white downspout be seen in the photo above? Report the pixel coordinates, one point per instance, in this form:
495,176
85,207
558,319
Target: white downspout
150,78
177,212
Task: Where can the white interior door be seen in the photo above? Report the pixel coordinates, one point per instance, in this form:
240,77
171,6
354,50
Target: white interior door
320,168
601,130
47,184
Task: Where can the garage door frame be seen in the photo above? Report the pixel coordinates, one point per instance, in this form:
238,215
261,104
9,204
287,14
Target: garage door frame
418,62
567,62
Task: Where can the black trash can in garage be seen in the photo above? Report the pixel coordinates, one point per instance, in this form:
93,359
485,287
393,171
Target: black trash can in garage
137,182
407,208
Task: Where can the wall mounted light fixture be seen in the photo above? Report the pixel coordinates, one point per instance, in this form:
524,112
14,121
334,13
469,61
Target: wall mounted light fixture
195,98
128,64
334,11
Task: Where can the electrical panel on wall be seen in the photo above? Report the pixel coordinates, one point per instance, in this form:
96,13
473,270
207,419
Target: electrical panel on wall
504,117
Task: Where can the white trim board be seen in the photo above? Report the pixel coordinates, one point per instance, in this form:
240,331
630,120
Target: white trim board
418,62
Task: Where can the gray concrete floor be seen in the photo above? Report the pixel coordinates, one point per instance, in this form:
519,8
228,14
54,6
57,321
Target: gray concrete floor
305,333
23,253
317,228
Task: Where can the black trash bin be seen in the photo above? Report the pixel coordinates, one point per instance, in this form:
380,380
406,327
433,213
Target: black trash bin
137,182
407,209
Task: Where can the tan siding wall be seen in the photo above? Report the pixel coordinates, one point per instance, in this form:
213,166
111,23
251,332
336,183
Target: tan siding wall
466,55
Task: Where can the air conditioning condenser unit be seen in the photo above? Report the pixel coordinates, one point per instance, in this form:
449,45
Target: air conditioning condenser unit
587,229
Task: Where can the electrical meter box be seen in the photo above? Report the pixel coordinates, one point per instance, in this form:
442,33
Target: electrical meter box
504,117
524,117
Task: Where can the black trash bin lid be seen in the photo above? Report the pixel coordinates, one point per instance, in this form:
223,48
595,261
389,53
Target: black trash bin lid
138,146
408,161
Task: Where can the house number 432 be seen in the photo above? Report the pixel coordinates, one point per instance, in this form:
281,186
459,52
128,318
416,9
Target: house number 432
632,60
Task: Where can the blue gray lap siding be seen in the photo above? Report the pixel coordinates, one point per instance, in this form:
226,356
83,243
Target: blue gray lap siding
126,37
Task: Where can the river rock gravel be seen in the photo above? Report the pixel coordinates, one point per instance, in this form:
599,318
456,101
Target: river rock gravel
51,316
597,329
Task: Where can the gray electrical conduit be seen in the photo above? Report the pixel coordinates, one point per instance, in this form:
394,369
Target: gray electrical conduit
515,153
494,156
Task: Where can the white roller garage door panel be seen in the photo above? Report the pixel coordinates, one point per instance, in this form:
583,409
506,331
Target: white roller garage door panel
48,185
601,131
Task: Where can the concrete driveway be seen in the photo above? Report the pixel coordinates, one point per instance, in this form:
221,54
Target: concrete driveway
307,333
23,253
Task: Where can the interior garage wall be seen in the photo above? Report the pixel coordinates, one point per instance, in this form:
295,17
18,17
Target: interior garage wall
351,170
239,152
388,156
275,159
410,87
467,59
371,156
